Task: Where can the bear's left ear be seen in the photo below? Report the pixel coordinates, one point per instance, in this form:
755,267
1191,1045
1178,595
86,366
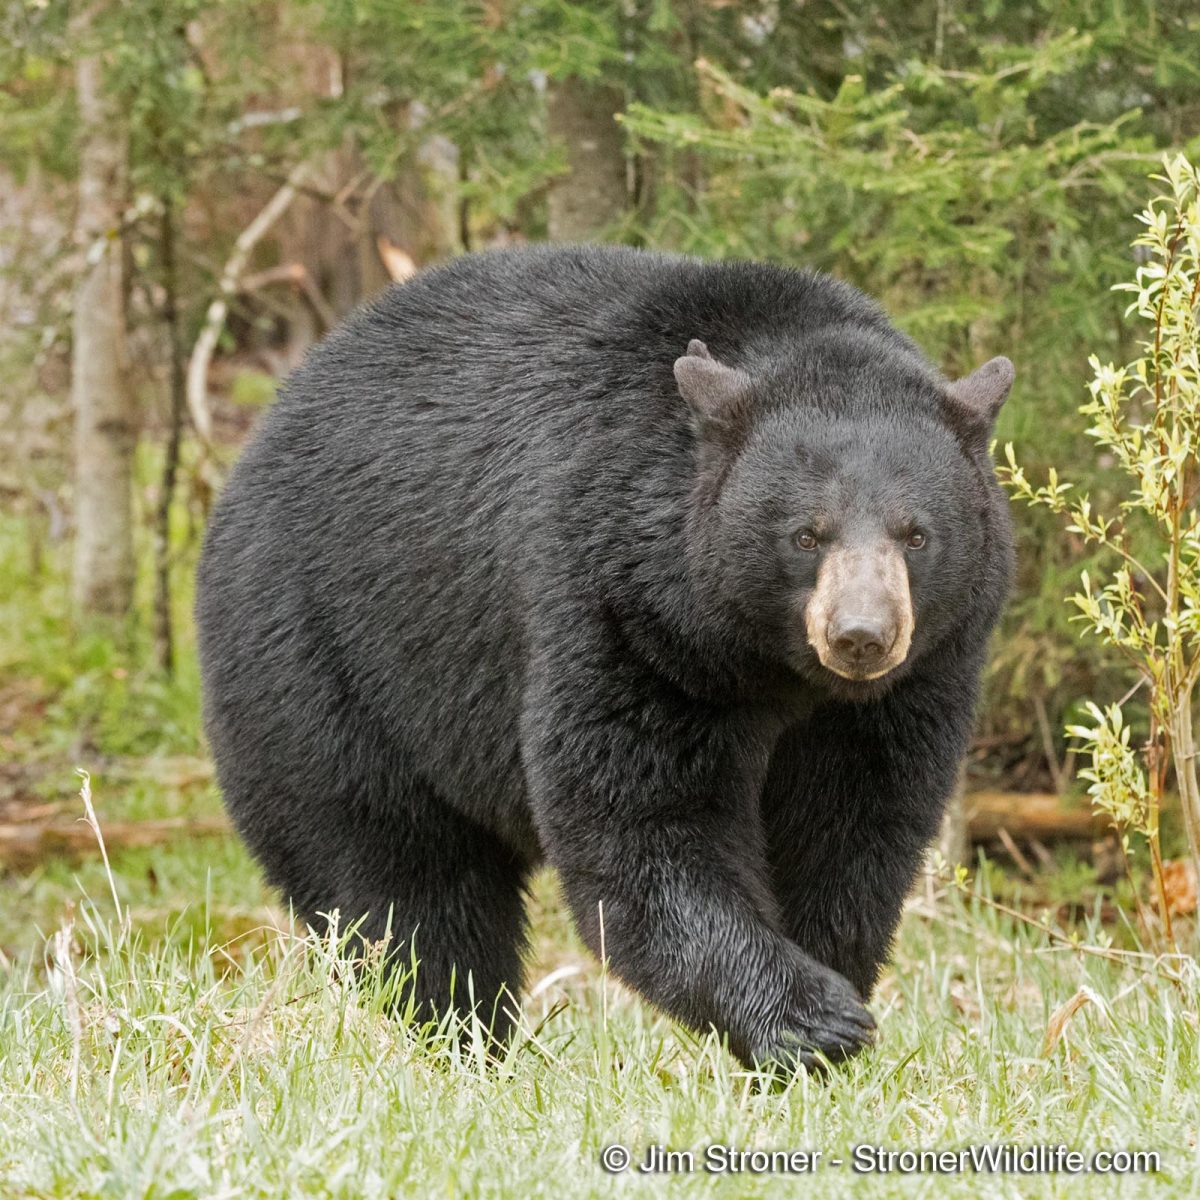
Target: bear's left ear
714,392
974,401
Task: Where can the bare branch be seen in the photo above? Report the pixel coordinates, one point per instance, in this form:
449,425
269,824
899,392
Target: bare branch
214,321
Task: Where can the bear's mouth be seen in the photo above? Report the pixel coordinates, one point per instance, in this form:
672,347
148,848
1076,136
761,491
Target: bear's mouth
860,689
859,674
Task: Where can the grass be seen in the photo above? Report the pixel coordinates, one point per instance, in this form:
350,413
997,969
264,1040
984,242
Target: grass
182,1039
181,1061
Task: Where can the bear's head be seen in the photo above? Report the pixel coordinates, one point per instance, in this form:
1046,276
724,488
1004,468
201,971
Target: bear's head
845,514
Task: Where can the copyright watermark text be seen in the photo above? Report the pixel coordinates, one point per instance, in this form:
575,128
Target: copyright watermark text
1000,1159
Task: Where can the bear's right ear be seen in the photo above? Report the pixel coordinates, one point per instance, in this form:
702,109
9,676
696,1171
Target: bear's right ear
714,392
974,401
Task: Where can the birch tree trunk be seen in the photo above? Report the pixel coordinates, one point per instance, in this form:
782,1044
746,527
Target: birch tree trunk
954,840
103,572
594,193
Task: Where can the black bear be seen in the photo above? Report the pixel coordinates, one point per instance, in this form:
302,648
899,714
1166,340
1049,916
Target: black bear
675,575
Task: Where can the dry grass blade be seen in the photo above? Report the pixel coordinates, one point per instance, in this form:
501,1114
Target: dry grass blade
85,794
1059,1018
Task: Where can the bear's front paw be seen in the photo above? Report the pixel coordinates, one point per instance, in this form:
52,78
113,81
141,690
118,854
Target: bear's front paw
826,1020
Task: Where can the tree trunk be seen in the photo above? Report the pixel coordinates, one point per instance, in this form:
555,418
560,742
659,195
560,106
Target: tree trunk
594,193
954,841
164,638
103,573
343,258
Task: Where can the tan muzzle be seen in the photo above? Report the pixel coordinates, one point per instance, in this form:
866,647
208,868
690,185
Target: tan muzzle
860,618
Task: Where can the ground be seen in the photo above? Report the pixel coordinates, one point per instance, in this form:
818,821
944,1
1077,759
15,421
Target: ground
166,1032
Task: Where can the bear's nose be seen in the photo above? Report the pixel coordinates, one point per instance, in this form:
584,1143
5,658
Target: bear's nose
860,640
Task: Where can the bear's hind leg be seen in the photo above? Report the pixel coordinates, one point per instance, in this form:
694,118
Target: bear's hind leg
400,862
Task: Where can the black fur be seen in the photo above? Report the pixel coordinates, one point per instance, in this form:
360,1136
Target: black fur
484,592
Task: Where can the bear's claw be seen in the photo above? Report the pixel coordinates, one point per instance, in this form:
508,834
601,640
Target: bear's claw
831,1026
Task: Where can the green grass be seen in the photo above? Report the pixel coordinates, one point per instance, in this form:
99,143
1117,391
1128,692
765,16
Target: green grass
172,1060
195,1044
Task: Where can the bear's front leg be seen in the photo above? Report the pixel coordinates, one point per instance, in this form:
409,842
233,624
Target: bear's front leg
853,798
648,808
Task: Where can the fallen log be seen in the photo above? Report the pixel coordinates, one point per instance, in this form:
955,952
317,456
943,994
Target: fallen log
1043,816
175,772
24,845
1036,816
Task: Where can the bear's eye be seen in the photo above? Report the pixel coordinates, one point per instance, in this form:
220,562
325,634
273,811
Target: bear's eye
916,540
805,540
